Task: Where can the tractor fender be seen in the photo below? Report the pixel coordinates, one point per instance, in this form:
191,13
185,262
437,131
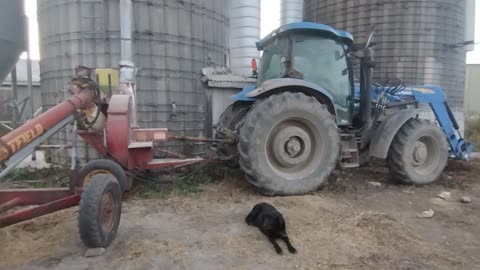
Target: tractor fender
273,86
383,135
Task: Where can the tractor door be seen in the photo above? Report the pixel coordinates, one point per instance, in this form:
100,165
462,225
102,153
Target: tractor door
325,62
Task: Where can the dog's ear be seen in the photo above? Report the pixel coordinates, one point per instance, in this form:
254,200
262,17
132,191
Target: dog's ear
252,215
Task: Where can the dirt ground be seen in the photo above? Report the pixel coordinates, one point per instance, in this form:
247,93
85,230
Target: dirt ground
349,224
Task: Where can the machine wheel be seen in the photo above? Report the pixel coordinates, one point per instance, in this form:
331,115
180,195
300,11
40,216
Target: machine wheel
231,119
100,211
289,144
102,166
419,153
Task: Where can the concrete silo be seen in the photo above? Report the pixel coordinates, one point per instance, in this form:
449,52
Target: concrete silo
12,35
172,41
291,11
245,31
418,41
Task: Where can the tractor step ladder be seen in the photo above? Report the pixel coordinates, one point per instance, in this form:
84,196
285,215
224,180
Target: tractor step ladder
349,155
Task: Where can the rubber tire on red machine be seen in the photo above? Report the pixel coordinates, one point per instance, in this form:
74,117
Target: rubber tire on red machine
230,119
290,121
418,154
102,166
94,232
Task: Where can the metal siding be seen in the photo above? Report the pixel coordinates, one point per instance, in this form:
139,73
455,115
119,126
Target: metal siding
173,41
410,37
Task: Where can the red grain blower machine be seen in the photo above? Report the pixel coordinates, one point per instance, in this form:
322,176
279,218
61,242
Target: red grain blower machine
105,124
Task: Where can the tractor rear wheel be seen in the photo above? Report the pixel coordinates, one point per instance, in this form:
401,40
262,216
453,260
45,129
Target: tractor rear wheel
289,144
418,154
99,211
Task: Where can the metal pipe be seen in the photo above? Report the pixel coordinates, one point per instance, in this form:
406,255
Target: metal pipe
366,66
73,157
10,204
29,76
29,70
19,138
34,196
199,139
126,31
127,66
40,210
15,95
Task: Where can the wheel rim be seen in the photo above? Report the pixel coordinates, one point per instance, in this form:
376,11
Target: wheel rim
424,155
294,148
107,212
88,177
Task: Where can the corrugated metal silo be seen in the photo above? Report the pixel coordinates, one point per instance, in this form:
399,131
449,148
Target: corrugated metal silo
417,40
245,31
291,11
173,41
12,35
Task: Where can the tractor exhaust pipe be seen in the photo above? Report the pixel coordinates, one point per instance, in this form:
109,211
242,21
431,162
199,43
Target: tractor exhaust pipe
366,67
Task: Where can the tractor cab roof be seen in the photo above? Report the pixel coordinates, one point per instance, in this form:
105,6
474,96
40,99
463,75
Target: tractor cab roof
306,26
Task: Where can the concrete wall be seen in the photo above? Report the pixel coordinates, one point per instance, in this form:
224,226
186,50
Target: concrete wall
472,90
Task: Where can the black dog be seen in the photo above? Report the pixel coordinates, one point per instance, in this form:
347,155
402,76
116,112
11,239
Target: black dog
271,223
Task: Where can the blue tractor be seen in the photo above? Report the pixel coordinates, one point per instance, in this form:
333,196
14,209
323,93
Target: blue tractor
307,114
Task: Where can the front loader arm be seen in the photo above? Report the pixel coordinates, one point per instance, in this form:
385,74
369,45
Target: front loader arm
434,97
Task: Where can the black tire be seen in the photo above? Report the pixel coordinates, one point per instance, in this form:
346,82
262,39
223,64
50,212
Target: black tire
231,119
289,144
102,166
418,153
100,211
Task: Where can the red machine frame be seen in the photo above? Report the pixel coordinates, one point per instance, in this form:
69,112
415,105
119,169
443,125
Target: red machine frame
132,148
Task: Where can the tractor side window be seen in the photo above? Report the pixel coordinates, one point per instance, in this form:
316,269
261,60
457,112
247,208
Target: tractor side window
273,60
323,61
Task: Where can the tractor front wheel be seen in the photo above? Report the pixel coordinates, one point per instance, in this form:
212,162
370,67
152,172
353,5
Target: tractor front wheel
418,154
289,144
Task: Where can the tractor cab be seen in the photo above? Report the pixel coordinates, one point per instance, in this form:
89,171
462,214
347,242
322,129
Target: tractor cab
307,51
316,55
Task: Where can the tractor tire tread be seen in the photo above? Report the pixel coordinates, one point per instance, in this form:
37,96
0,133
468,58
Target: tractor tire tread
263,112
104,164
88,220
395,163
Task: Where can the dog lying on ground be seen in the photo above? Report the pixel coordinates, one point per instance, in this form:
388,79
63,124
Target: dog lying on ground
271,223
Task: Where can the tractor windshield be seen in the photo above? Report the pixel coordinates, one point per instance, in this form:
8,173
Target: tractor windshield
274,60
323,61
